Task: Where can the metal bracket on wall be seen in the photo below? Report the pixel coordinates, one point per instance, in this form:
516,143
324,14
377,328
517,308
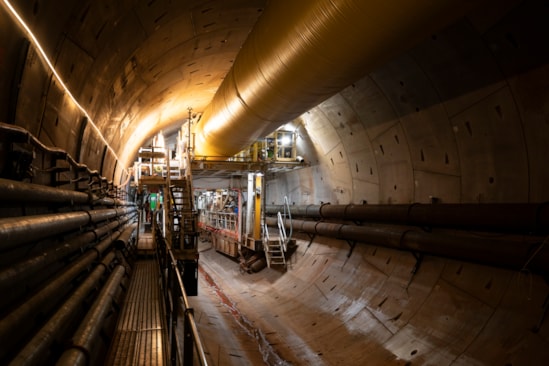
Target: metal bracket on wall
352,244
415,268
311,238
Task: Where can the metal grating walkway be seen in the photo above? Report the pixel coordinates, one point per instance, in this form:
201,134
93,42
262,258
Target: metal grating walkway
140,334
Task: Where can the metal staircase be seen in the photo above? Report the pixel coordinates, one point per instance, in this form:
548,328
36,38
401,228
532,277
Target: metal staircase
182,231
276,249
182,215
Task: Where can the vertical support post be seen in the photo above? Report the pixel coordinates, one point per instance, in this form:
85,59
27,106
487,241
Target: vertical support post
194,143
255,151
152,159
294,145
258,195
188,343
239,217
170,294
189,147
249,204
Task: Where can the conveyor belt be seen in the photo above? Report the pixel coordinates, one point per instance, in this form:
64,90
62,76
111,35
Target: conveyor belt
140,334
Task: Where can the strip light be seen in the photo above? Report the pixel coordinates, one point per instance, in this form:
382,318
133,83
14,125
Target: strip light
42,53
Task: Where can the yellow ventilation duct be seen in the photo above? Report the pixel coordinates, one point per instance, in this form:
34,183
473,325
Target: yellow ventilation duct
301,52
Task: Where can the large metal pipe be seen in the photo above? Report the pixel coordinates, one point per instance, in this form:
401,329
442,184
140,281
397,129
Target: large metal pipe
88,331
22,316
515,252
301,53
38,345
310,211
124,238
504,217
20,271
106,201
25,229
14,191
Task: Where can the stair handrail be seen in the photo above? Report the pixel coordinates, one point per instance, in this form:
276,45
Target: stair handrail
282,238
266,249
282,223
176,300
281,232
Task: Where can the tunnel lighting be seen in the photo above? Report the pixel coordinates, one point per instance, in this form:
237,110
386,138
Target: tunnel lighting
42,53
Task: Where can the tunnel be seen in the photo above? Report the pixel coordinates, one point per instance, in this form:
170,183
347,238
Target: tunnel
414,195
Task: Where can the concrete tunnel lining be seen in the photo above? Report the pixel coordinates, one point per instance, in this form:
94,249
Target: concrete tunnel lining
461,117
273,80
371,309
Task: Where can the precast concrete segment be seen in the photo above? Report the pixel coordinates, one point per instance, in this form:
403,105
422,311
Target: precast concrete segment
256,336
302,52
369,309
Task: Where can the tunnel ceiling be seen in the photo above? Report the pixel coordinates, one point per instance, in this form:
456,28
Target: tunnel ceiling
168,56
137,66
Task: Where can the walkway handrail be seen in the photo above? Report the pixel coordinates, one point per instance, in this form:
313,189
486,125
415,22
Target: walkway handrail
281,232
289,216
189,313
174,294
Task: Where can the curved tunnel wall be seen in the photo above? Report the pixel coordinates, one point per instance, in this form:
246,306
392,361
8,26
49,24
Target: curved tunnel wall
134,66
300,53
462,117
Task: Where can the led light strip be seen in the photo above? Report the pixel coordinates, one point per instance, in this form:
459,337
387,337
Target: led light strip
37,45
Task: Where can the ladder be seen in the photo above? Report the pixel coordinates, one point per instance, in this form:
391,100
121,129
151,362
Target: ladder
183,236
275,250
182,216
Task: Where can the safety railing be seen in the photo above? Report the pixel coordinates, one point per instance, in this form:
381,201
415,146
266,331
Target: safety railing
177,306
284,237
220,220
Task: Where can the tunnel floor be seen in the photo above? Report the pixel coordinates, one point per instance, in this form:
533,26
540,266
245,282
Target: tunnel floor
369,308
140,336
331,309
233,334
226,340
